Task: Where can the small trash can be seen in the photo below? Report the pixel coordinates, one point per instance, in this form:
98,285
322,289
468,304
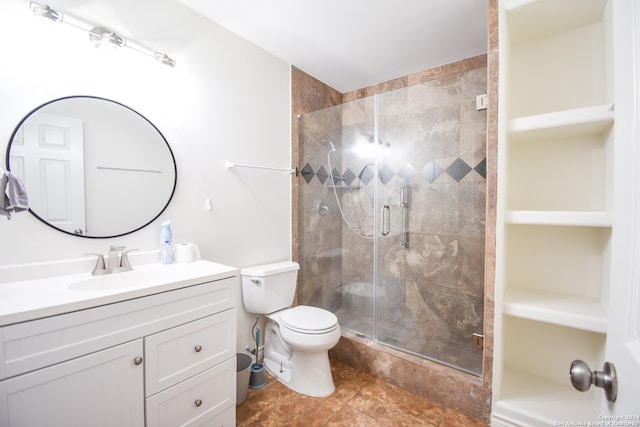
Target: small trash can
243,372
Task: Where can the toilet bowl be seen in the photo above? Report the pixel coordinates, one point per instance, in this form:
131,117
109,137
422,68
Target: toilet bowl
297,339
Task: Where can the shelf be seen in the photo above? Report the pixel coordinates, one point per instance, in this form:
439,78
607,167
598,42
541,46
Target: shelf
566,310
557,260
534,401
562,124
571,173
531,19
560,218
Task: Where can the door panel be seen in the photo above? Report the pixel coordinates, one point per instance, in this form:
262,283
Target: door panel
51,165
623,335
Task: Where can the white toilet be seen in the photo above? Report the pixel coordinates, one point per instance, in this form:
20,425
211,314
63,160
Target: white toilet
296,340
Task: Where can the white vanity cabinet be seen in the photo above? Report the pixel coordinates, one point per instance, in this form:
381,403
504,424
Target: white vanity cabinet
163,359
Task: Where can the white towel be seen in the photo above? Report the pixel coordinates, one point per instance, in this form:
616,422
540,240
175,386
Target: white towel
13,195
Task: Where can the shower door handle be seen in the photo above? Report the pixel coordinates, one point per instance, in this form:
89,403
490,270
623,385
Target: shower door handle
386,223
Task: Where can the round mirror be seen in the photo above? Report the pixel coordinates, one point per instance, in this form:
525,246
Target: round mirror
92,167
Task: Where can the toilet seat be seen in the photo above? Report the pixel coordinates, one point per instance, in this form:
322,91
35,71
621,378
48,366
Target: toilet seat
309,320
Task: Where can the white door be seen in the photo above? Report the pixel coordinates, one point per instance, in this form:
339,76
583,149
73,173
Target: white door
623,335
50,162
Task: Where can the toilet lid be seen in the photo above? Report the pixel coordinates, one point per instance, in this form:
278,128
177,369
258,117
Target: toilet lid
309,320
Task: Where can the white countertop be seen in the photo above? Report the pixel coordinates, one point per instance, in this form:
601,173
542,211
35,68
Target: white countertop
42,297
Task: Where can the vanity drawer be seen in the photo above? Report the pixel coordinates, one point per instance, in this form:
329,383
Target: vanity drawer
205,399
176,354
38,343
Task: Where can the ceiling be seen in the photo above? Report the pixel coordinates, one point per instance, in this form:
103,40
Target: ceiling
351,44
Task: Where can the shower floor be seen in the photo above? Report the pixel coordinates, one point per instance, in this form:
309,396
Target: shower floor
418,342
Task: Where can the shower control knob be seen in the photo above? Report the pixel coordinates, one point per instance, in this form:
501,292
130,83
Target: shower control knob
582,378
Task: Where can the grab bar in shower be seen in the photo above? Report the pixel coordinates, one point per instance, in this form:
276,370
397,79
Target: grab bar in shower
230,165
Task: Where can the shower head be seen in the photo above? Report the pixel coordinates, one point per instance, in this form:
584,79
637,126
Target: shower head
326,141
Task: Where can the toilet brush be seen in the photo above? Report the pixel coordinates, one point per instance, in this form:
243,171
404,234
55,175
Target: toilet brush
257,379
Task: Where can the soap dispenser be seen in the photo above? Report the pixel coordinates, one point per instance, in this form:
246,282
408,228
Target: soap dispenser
166,243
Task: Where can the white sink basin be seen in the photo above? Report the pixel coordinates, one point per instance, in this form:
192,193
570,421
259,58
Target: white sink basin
125,280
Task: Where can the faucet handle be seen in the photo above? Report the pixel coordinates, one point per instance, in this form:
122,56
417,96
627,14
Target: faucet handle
125,265
117,247
99,267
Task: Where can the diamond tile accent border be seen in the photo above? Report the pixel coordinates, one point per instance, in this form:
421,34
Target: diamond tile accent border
307,173
481,168
407,172
457,170
431,171
348,176
322,174
366,175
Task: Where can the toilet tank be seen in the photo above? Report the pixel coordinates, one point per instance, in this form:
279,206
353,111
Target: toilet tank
270,287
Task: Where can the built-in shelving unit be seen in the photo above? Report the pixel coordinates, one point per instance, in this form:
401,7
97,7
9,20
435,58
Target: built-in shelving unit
555,214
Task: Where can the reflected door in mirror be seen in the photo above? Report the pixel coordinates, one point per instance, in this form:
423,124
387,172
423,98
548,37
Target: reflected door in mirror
50,154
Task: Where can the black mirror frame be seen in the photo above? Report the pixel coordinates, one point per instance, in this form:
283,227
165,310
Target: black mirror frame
175,168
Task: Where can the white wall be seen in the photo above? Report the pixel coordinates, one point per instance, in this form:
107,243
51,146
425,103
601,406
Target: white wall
225,100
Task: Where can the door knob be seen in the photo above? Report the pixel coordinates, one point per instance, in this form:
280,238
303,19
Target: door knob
582,377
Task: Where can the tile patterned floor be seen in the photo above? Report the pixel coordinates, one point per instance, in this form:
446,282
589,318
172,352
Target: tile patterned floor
359,400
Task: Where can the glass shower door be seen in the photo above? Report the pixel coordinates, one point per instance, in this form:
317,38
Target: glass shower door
336,219
430,253
391,217
359,219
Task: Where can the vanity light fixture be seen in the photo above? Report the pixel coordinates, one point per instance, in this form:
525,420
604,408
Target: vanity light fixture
101,37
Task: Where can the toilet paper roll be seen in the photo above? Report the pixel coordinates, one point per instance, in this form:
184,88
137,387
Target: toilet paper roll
186,252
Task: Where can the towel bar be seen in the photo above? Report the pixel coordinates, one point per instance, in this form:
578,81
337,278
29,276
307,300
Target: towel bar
240,165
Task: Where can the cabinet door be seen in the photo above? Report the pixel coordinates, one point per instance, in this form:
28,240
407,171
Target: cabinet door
101,389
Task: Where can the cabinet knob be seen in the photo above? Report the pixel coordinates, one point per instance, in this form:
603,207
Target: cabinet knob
198,348
198,402
137,360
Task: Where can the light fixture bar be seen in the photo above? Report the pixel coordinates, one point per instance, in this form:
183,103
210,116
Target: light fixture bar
101,37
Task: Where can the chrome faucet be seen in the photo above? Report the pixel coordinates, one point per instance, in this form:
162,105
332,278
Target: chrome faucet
117,263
